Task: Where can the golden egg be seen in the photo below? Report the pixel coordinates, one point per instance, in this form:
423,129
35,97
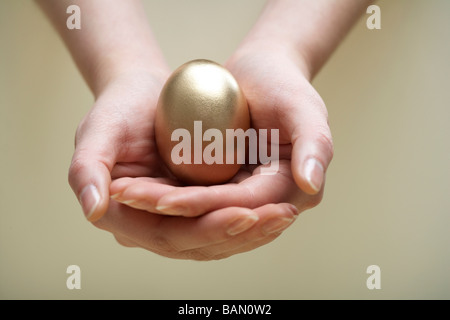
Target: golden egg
200,105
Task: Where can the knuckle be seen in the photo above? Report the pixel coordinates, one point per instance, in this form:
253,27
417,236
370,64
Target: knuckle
103,223
313,201
124,242
76,166
326,142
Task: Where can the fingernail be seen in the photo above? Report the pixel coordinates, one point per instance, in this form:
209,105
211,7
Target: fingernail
242,224
115,196
294,210
172,210
314,174
89,199
276,224
127,202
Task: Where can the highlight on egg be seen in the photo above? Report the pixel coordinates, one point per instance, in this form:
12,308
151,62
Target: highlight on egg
200,113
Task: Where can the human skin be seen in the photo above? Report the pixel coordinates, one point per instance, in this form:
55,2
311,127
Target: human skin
115,153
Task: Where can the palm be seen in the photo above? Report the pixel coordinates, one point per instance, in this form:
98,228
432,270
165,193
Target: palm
268,89
138,155
127,112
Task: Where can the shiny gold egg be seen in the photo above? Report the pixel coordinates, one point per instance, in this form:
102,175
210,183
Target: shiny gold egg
199,106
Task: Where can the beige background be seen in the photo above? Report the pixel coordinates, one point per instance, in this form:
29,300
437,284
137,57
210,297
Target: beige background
387,199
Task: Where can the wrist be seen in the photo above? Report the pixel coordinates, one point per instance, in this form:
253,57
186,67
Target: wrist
113,67
277,47
309,30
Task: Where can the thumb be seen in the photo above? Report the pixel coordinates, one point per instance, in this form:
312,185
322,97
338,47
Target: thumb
312,146
90,174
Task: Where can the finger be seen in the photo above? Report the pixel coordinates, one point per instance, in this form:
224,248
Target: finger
89,172
125,241
140,169
141,193
252,192
131,170
273,220
212,236
312,148
89,178
163,196
169,236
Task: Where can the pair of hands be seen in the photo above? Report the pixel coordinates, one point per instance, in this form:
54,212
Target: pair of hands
124,187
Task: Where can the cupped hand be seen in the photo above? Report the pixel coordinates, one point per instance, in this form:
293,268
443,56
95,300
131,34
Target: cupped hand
115,142
116,139
280,96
